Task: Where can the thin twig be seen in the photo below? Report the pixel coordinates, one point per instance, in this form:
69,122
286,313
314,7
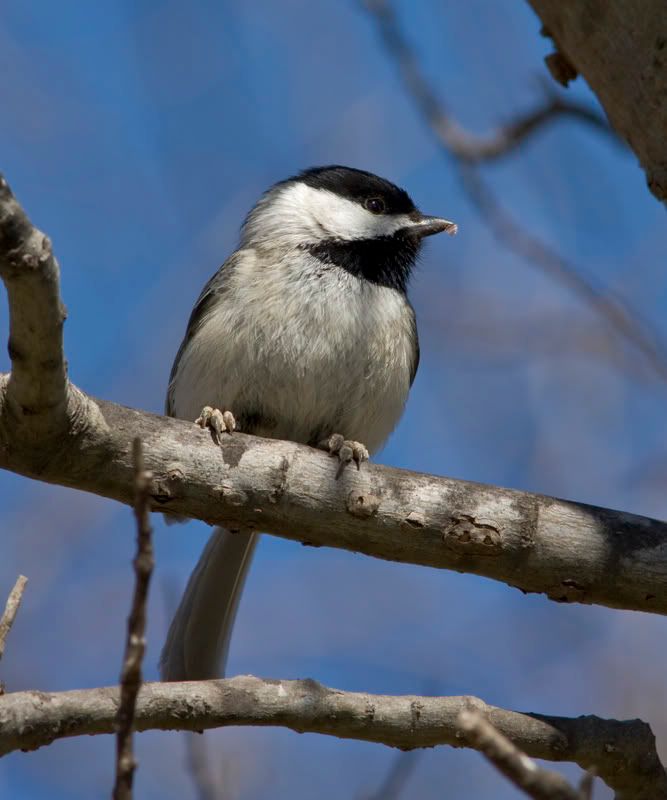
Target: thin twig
466,151
616,312
536,782
460,142
135,646
11,609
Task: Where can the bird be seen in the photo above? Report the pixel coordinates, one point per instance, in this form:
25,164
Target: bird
305,333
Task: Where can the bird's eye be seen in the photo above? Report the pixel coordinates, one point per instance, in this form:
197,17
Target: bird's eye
375,205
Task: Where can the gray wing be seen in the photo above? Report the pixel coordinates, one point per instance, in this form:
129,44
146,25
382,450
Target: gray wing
200,631
211,292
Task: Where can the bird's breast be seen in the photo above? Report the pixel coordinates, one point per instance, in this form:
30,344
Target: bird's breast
300,351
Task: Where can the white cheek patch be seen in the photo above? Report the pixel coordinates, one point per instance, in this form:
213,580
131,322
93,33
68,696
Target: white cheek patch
305,215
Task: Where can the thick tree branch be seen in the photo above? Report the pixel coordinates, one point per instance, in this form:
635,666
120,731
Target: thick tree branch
569,551
620,47
623,752
37,388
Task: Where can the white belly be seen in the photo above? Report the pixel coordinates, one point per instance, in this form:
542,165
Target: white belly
333,356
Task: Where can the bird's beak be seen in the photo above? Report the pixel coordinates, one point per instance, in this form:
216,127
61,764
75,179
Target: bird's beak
423,225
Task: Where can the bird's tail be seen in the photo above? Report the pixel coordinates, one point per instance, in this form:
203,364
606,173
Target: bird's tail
198,638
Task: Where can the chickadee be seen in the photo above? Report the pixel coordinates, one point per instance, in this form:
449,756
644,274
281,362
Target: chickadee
305,333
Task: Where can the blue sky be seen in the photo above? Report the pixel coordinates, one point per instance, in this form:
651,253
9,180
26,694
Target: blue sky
138,135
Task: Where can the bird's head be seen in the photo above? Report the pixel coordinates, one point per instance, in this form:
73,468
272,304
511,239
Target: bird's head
345,218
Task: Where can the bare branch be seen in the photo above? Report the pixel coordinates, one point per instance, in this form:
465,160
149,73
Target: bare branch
569,551
135,645
468,147
621,318
538,783
459,142
536,253
623,752
38,384
11,610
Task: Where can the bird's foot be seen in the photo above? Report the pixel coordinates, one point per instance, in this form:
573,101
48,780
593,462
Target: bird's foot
345,449
218,421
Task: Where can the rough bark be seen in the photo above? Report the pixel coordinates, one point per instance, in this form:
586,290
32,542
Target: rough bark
568,551
620,48
38,384
623,753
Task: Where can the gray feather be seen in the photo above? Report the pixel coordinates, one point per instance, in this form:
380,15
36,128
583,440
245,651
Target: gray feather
198,639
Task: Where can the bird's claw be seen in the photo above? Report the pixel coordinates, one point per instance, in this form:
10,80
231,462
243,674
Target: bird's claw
346,450
218,421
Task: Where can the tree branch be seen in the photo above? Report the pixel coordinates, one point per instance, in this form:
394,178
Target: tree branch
468,147
569,551
11,610
620,47
623,752
461,143
513,763
37,388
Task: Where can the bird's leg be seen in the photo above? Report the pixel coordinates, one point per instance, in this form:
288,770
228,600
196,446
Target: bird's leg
346,450
218,421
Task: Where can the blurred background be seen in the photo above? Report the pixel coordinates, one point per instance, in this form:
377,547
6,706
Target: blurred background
138,134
